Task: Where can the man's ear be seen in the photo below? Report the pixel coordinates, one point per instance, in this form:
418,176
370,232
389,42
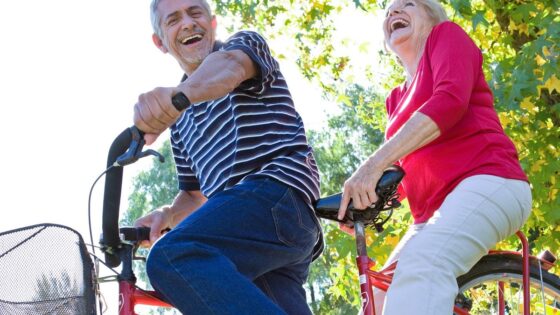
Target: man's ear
159,43
214,23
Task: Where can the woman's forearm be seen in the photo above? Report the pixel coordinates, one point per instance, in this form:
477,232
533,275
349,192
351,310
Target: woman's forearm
418,131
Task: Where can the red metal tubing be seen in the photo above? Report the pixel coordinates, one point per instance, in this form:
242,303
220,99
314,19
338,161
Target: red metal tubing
501,301
129,297
526,271
368,305
149,298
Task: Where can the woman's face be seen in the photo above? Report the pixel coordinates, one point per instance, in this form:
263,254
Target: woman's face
405,22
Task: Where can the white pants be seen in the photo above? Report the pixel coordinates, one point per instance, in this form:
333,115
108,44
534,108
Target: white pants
481,211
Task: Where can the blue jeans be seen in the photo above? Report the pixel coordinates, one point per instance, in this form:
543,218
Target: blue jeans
247,250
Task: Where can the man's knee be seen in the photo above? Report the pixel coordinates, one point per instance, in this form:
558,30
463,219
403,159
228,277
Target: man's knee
156,262
169,254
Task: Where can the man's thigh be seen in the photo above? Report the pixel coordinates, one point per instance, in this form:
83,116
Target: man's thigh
260,225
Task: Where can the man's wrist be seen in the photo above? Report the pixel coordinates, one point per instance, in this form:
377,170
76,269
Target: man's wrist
180,101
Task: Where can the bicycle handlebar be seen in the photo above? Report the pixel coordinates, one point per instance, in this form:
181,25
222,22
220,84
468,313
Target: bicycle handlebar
125,149
112,196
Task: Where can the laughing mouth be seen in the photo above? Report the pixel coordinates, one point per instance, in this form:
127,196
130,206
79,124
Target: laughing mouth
189,40
398,24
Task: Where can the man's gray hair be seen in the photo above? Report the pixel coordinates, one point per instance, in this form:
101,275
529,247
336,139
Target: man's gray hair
156,19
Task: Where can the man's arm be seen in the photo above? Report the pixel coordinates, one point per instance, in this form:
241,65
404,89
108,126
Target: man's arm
219,74
167,217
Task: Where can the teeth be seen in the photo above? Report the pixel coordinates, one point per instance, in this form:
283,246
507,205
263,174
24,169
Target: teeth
186,39
398,21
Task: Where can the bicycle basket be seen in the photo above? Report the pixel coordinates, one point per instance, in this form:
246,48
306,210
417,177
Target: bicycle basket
45,269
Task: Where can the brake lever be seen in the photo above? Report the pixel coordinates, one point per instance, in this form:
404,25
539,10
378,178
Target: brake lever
134,152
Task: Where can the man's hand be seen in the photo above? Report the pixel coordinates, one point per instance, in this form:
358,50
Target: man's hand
154,112
158,221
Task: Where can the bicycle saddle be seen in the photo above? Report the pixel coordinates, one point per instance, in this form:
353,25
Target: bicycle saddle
386,190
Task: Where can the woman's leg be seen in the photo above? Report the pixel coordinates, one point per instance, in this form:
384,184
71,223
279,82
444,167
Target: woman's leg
379,295
481,211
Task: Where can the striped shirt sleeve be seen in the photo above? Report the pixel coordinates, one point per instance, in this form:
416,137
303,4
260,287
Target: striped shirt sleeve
185,175
255,46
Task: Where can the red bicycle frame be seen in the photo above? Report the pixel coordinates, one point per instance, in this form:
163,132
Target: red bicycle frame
130,296
382,279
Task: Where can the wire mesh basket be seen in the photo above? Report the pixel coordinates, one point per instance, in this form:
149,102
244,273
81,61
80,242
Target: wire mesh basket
45,269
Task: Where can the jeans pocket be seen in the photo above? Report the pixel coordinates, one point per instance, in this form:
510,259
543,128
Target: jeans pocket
295,226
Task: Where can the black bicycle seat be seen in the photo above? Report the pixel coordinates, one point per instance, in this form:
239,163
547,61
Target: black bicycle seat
327,208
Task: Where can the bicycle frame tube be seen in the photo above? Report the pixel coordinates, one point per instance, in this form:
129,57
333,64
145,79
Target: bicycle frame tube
526,271
363,262
129,297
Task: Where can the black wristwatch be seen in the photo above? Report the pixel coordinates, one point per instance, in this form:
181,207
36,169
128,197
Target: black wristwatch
180,101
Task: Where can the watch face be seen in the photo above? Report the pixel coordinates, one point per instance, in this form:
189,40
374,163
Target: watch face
180,101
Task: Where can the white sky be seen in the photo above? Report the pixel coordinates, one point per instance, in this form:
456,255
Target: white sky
70,72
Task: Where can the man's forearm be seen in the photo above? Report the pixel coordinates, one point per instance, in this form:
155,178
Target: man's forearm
219,74
185,203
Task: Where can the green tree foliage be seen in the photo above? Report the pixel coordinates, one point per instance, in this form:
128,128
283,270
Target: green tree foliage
152,188
347,141
520,40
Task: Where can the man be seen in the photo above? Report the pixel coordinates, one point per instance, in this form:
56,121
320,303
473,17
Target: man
243,232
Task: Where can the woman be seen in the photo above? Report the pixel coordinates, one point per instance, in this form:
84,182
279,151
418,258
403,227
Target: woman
464,183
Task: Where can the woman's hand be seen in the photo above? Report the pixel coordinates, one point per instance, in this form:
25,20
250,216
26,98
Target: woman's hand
360,187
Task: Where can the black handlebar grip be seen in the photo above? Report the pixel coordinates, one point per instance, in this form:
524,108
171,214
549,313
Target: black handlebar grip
180,101
143,233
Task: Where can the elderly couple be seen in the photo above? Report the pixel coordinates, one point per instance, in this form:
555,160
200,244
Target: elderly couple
243,231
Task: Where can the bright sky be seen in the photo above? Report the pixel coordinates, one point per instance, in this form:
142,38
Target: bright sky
70,72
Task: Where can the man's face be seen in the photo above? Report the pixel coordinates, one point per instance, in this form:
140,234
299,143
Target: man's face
188,31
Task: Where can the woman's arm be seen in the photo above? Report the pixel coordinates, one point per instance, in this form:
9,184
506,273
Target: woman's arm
418,131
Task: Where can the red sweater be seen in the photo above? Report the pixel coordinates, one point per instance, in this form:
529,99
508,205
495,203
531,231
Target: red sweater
450,88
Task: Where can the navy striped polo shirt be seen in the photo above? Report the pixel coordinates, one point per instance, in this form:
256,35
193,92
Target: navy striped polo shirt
254,131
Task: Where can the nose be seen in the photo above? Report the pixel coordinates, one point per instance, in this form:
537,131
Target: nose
394,11
187,22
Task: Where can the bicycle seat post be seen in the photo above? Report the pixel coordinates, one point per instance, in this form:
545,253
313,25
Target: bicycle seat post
360,238
363,261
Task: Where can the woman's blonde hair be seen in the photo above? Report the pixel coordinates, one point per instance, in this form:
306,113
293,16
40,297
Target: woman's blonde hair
434,9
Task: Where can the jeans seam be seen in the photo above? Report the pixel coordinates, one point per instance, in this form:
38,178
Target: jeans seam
277,225
269,291
299,214
186,281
